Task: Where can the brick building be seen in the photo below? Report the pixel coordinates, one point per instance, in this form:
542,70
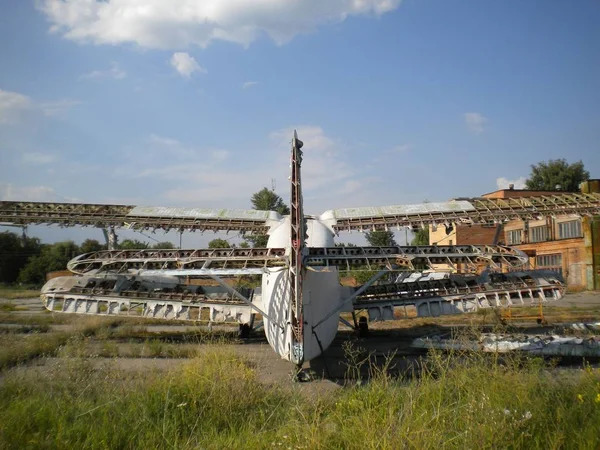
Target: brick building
569,245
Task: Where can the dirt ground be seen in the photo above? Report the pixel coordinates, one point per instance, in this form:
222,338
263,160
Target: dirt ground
124,345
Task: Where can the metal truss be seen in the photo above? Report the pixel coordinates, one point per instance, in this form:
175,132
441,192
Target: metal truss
133,217
460,294
145,297
256,260
120,261
470,257
296,257
471,211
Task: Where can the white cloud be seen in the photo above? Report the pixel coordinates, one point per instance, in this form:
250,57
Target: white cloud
475,122
220,155
115,73
170,25
212,177
402,148
38,158
248,84
27,193
12,106
55,108
170,159
162,140
185,64
324,163
503,183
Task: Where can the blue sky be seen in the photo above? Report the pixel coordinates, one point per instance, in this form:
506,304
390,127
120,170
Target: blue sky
192,102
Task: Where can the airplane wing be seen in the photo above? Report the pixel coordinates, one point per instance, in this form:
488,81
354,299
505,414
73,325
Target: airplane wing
135,217
467,211
435,294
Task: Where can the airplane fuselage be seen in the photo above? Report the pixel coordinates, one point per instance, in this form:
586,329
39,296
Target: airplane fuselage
322,294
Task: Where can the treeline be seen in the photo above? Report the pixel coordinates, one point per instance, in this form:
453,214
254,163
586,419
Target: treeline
26,260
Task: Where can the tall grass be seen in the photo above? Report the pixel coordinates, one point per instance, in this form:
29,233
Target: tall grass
18,348
15,349
12,291
456,400
214,402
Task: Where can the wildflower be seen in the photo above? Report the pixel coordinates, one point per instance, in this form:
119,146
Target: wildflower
527,415
580,398
181,405
597,399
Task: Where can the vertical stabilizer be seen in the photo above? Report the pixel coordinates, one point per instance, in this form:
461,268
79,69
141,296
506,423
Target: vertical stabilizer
297,244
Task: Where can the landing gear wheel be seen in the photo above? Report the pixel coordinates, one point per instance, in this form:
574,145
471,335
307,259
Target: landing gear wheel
363,327
244,331
300,375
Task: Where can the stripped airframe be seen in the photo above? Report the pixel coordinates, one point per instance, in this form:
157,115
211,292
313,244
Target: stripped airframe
300,298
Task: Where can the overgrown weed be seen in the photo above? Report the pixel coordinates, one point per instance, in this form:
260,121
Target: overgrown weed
453,400
16,349
212,402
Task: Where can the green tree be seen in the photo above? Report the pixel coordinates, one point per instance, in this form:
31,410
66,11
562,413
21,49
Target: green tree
421,237
219,243
91,245
557,174
163,245
257,240
381,238
53,257
266,200
15,250
133,244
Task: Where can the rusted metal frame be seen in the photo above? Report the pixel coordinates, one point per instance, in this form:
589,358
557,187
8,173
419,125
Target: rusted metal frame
407,294
122,261
111,215
130,303
360,224
185,255
296,256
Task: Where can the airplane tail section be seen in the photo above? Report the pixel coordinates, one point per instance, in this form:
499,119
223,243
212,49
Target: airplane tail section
297,244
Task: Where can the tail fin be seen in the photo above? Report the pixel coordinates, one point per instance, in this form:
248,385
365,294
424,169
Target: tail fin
298,242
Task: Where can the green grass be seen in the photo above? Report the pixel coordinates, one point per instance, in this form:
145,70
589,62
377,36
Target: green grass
214,401
15,349
8,307
13,292
18,348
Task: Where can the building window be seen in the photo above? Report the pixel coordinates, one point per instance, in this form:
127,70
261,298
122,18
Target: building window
538,234
571,229
550,262
514,237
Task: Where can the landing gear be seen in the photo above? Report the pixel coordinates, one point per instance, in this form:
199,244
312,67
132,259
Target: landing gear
300,375
244,331
363,327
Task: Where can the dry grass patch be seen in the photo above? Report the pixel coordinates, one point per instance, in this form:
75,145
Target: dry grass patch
11,293
454,401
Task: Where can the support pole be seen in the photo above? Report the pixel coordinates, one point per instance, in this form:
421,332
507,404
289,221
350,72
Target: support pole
363,288
244,299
